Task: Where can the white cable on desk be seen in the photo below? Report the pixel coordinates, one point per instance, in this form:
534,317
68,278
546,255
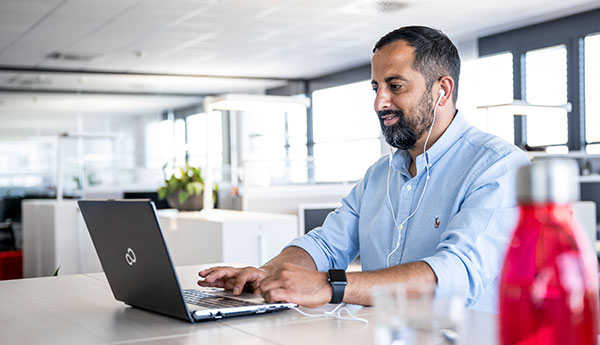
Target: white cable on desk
336,313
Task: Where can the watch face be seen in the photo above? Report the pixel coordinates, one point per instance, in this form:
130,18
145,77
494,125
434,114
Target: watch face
337,275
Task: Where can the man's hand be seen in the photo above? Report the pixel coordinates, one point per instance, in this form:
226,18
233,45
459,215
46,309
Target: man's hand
251,278
236,279
297,284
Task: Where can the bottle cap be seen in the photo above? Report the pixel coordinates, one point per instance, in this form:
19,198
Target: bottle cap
548,180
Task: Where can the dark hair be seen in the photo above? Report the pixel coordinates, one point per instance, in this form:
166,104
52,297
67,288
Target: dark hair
435,54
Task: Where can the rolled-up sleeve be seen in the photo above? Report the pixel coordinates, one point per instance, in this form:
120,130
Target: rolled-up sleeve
335,244
470,254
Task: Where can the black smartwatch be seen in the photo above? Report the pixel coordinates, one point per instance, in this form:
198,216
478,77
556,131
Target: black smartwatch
337,279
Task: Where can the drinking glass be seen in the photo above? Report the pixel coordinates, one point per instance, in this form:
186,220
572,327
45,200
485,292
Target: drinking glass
416,315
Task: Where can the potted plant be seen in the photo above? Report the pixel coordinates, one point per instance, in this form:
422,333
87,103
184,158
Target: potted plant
185,192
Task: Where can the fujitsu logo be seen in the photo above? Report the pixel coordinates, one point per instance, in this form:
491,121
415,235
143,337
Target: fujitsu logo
130,257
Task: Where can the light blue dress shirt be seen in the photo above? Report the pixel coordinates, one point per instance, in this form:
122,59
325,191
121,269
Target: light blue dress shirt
461,229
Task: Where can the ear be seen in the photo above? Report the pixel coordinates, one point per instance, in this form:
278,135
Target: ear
447,85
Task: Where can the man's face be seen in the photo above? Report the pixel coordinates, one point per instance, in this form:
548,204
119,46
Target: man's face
402,103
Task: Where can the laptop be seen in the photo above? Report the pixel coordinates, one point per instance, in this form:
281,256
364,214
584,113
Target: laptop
139,270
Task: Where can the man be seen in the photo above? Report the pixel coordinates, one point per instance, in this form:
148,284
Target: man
441,217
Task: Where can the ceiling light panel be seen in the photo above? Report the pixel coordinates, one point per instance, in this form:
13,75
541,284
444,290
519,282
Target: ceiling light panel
105,105
376,7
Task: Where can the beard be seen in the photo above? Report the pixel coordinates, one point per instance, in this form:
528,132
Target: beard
404,134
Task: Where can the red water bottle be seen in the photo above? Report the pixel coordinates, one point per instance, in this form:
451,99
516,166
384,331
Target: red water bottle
549,284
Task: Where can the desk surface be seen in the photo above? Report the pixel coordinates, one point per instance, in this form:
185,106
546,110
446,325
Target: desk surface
80,309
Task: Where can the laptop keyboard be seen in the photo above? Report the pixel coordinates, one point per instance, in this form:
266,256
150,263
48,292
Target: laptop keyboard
207,300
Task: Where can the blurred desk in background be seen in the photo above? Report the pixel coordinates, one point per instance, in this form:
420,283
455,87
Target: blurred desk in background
225,235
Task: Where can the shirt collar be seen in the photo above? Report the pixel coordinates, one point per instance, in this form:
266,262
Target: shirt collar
458,126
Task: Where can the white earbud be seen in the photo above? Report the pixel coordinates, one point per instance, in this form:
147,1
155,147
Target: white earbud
442,93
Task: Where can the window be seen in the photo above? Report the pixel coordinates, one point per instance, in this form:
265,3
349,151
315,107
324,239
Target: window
29,162
483,82
196,143
592,89
546,83
273,146
593,148
184,141
179,140
548,60
166,141
346,132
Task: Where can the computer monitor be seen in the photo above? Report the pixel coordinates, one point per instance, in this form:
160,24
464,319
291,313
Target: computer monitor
311,216
152,195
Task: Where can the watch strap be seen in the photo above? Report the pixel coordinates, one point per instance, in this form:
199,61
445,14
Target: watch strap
338,293
338,286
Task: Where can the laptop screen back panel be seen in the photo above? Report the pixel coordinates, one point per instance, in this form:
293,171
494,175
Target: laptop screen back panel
134,256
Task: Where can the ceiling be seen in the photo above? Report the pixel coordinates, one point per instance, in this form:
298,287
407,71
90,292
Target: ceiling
183,49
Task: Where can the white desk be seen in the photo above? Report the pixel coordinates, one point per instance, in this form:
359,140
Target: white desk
80,309
54,234
225,235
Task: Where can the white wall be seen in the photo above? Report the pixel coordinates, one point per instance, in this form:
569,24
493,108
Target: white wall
468,49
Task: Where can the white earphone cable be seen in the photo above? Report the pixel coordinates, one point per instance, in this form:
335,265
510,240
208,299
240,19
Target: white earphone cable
336,313
400,227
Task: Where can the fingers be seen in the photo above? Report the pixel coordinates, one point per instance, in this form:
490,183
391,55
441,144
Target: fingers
217,276
276,288
272,282
207,271
219,273
231,278
217,284
251,276
277,295
255,287
215,273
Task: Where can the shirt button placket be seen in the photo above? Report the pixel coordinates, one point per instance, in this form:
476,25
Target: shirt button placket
396,257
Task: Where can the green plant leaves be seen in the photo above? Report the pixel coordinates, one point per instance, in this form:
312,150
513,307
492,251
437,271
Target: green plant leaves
189,182
194,188
162,192
182,196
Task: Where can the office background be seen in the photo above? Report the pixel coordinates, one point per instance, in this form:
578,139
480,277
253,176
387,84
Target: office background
109,96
